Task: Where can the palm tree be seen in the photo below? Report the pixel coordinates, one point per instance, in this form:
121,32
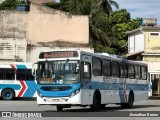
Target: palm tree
106,5
97,10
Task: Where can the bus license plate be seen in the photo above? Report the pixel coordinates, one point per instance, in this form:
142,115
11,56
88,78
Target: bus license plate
55,100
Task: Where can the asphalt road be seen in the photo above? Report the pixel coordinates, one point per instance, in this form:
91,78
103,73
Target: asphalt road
146,109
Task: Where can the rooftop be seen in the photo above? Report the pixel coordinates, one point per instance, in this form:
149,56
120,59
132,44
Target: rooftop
144,28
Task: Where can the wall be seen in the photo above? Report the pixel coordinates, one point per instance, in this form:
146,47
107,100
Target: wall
13,24
13,43
12,50
152,42
24,34
136,42
45,25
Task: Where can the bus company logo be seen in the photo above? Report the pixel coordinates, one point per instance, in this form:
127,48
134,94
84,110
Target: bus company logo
6,114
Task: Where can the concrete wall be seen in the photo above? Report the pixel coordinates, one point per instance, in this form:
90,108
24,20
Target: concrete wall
152,43
13,42
13,24
136,42
12,50
24,34
46,25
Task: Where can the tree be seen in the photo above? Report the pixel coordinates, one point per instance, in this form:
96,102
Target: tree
106,5
121,23
100,29
10,4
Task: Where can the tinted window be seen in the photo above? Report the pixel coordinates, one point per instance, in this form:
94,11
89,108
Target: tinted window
97,66
106,68
29,75
123,70
20,74
24,74
2,74
137,72
131,71
144,73
10,74
115,69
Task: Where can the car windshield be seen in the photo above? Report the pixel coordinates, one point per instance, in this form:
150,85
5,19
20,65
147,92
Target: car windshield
58,72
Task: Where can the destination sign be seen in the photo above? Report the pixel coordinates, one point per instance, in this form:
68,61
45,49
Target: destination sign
59,54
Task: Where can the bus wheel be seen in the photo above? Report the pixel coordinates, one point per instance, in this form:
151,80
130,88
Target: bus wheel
59,108
129,104
103,106
96,103
8,94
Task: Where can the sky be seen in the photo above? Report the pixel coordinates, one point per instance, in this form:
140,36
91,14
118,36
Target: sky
141,8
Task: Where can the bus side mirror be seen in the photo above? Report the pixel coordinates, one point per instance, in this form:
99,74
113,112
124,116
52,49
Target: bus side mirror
34,69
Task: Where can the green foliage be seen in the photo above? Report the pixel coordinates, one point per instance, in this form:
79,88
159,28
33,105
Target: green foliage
10,4
121,23
121,16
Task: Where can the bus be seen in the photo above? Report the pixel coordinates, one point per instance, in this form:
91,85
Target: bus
16,80
68,78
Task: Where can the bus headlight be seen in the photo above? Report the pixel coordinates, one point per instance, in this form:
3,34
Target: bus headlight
75,92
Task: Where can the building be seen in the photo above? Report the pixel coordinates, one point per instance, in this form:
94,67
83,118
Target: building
24,34
144,45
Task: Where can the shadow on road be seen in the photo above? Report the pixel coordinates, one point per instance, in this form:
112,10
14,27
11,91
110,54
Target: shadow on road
21,99
107,109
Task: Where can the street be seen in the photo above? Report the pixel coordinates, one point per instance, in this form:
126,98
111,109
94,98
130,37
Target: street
113,111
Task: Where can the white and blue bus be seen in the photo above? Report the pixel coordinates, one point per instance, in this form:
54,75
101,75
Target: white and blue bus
16,80
68,78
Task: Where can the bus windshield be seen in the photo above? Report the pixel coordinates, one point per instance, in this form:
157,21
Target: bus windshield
58,72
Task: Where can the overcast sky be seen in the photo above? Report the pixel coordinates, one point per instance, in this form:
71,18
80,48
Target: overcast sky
141,8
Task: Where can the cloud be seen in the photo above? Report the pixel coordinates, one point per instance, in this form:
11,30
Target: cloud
141,8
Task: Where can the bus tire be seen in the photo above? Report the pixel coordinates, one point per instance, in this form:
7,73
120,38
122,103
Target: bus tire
103,106
130,102
96,103
59,108
8,94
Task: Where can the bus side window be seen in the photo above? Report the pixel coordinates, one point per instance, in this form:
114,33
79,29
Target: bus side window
131,71
137,72
85,72
20,74
10,74
115,69
96,66
2,74
123,70
106,68
144,73
28,74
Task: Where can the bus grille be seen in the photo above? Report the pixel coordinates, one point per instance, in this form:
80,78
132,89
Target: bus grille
56,88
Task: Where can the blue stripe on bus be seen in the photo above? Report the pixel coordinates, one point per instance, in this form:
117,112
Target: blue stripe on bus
21,67
12,86
93,86
115,86
32,87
